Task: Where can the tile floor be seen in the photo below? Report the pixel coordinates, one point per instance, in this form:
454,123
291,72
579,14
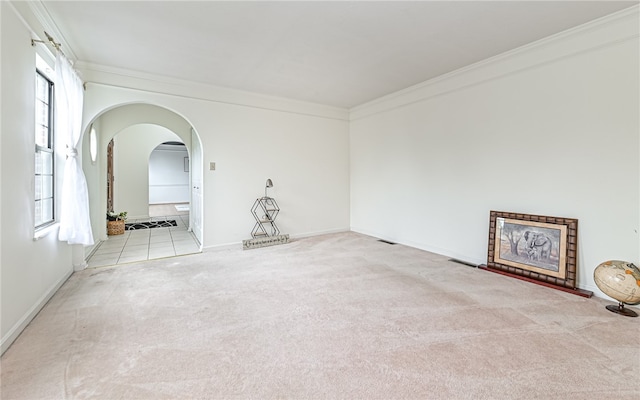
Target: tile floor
146,244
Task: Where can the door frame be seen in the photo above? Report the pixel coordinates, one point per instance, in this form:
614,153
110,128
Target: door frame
110,177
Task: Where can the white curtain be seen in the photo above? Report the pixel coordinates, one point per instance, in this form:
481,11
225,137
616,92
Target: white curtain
75,223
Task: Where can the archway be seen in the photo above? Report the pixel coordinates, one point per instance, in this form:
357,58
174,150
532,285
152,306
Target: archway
169,184
133,148
124,119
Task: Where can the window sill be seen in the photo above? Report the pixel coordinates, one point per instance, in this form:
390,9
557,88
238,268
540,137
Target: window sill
40,233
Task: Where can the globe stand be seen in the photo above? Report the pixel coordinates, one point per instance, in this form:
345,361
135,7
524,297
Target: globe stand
619,309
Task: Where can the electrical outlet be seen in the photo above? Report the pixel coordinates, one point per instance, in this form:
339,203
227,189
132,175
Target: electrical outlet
212,166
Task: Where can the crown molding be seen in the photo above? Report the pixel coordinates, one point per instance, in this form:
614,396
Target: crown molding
136,80
40,12
621,26
36,18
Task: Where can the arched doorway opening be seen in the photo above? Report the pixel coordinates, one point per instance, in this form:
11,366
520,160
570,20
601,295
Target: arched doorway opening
169,185
137,130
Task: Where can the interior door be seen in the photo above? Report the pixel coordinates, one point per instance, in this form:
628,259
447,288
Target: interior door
110,176
195,216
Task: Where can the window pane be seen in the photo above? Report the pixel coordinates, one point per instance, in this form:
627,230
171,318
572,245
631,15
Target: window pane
38,213
44,163
47,162
93,144
38,187
42,136
42,124
38,162
47,210
42,88
44,155
42,113
47,186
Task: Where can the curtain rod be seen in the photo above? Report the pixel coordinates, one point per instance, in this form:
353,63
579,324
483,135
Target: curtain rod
58,46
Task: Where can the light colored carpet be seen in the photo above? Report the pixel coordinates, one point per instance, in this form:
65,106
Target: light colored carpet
339,316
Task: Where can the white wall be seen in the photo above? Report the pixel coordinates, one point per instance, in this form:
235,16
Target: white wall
94,175
30,270
169,175
301,147
550,129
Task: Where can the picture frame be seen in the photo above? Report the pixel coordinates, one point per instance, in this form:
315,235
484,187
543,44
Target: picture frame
535,247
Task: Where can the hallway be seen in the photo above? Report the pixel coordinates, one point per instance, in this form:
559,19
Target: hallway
147,244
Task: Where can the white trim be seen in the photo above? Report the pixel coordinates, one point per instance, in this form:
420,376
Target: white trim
42,232
150,83
41,48
319,233
422,246
39,10
17,329
128,79
620,26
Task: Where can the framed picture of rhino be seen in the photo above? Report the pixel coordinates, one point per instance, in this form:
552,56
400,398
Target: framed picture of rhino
537,247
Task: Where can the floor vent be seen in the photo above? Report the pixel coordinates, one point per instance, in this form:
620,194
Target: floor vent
385,241
463,262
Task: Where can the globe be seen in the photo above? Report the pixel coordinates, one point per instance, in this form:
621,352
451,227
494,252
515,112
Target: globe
619,280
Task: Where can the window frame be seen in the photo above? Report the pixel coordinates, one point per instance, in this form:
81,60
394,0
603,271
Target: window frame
39,223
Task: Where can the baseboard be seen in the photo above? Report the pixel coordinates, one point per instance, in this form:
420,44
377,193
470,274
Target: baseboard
320,233
577,291
421,246
130,218
17,329
89,250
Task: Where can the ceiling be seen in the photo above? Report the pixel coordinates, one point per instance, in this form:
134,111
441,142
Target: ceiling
335,53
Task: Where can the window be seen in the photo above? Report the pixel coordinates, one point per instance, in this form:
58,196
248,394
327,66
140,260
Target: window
44,157
93,144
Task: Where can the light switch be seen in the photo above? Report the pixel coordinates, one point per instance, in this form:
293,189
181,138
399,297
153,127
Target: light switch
212,166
